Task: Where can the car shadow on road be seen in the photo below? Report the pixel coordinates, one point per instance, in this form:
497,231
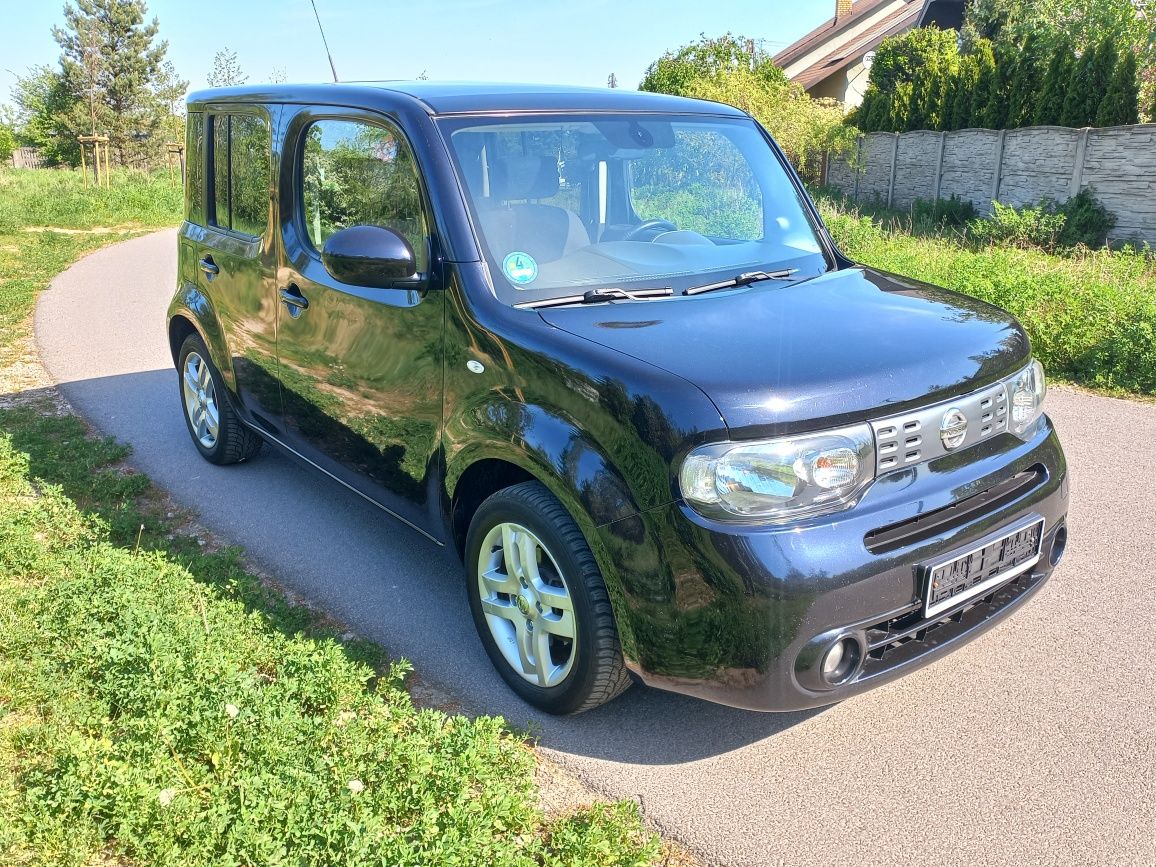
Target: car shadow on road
387,582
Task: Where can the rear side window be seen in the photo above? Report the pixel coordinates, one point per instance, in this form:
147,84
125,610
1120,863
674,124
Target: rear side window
240,159
195,168
356,173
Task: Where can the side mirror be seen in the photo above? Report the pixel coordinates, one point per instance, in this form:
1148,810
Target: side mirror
371,256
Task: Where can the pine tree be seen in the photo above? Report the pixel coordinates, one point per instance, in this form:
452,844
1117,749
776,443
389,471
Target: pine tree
966,80
1049,108
1091,78
1079,93
1024,85
995,114
1122,104
899,108
880,112
921,96
985,82
114,65
226,70
941,100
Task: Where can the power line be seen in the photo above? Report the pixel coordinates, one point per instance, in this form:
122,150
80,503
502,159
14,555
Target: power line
324,41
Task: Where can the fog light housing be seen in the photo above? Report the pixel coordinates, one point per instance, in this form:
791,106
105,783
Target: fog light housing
840,662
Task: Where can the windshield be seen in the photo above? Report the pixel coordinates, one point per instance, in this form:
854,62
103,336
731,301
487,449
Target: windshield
568,203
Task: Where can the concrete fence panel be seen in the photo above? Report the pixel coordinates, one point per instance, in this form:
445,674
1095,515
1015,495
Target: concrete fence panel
969,165
1038,163
916,167
1016,167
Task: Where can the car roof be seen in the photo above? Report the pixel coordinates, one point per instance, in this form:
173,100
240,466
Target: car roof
450,97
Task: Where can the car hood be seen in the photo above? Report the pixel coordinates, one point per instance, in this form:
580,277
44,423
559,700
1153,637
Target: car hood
845,346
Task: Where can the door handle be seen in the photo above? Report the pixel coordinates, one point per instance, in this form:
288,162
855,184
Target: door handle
209,267
292,298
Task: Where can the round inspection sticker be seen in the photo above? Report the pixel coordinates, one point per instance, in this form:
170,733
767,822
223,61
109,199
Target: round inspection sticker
520,268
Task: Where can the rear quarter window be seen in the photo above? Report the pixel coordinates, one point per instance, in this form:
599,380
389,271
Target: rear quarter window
240,157
195,168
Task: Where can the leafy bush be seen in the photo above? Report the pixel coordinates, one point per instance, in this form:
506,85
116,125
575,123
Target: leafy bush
1080,221
1031,226
1086,221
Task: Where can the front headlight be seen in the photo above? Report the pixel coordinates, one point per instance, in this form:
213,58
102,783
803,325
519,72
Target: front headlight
1028,390
782,479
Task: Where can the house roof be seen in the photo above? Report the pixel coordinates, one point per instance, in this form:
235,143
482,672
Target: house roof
898,21
830,28
913,13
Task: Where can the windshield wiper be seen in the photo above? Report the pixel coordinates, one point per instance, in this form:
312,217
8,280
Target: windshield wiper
742,280
597,296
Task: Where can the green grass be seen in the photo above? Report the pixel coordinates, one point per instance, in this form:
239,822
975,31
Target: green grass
160,704
1091,314
41,198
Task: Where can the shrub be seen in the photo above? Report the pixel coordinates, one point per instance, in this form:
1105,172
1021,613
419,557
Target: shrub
1080,222
953,212
1031,226
1086,221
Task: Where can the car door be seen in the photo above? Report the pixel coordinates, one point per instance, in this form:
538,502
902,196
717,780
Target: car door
238,254
360,368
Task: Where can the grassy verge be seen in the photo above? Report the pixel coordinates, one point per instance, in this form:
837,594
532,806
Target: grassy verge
159,704
1091,315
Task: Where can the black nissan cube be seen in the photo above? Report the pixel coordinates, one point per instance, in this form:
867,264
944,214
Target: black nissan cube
600,343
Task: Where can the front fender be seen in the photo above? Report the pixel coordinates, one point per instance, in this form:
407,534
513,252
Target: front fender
550,447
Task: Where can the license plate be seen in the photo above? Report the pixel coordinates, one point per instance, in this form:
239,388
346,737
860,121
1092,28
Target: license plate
970,574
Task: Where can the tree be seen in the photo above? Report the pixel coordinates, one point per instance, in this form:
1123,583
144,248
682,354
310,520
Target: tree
612,81
678,71
1091,78
737,72
113,65
1024,85
963,97
1049,108
7,141
226,70
985,82
997,94
44,105
1121,105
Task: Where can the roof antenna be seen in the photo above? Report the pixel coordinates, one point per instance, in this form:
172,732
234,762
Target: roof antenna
325,41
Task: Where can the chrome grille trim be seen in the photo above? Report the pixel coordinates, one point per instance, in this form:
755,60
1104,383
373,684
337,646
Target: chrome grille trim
913,437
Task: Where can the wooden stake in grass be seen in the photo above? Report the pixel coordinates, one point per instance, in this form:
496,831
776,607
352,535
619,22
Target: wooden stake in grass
140,533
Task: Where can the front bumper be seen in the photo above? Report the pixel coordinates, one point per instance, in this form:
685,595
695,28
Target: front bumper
737,615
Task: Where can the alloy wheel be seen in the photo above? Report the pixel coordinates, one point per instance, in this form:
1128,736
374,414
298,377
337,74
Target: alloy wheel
527,604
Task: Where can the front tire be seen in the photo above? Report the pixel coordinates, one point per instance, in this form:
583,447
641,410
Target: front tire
540,604
217,432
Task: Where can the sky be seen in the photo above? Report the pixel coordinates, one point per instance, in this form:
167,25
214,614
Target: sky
550,41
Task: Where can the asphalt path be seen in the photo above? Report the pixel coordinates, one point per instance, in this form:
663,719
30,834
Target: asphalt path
1035,744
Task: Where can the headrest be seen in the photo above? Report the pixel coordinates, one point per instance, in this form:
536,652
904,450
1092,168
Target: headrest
523,178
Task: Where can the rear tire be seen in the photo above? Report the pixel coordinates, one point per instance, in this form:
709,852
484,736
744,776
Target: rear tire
540,603
216,431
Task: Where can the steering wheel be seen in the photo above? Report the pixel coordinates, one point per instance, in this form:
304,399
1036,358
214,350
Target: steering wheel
656,226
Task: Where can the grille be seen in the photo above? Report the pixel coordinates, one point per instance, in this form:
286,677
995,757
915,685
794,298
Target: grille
931,524
913,437
908,635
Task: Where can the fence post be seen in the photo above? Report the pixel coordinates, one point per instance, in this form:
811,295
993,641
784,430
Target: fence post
939,167
997,175
1078,166
891,181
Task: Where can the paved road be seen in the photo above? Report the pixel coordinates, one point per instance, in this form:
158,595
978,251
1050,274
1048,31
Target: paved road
1034,745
